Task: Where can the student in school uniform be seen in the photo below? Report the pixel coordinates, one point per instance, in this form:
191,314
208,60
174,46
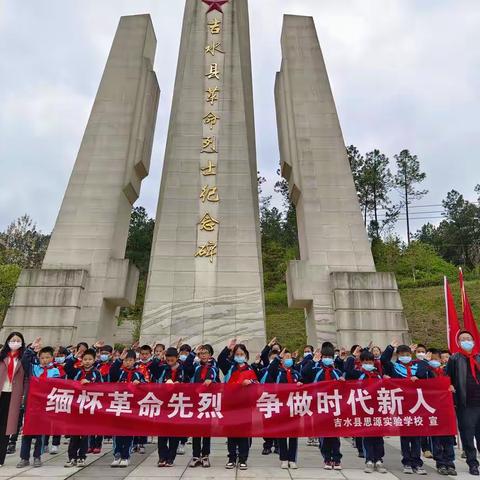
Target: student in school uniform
374,446
205,372
123,370
264,376
233,362
321,369
405,367
103,365
60,356
85,373
274,346
172,371
42,367
443,447
144,361
282,369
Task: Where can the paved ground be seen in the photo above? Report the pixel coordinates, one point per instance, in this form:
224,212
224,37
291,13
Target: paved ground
144,467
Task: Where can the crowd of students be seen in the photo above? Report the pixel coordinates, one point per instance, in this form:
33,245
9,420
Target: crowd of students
275,364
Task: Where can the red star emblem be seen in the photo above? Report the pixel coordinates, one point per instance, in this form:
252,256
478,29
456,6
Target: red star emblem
215,4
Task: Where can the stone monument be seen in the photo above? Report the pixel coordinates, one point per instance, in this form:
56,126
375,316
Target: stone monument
205,281
346,301
85,278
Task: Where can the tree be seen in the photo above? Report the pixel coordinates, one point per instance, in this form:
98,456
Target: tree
407,177
378,180
22,244
140,236
360,179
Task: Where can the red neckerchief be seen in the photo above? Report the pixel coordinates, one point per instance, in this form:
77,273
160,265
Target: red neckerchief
83,375
129,372
373,374
45,371
288,371
11,364
144,369
328,372
438,372
408,366
378,366
204,371
104,368
474,367
174,374
243,372
61,370
78,363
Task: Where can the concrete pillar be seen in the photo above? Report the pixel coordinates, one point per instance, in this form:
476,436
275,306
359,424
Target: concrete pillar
190,293
84,277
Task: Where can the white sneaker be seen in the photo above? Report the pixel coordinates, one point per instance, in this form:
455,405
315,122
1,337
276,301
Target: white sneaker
369,467
380,468
284,465
123,463
181,449
310,442
408,470
116,462
53,450
293,465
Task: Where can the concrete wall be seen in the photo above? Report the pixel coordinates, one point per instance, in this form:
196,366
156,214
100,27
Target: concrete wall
90,234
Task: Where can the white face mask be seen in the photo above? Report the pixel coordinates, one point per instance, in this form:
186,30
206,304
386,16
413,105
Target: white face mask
14,346
421,355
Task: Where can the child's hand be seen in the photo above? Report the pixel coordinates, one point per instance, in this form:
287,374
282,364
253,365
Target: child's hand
387,376
80,351
136,382
272,342
414,378
299,384
207,382
357,352
258,358
282,353
246,382
123,355
36,344
84,381
295,354
231,343
428,356
135,345
370,345
451,388
394,343
179,343
342,379
98,344
318,355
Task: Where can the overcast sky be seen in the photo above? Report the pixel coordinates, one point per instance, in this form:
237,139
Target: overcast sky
405,74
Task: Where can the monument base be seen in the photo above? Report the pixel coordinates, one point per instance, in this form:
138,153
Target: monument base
347,307
67,306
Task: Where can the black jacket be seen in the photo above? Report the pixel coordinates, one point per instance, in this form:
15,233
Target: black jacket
457,371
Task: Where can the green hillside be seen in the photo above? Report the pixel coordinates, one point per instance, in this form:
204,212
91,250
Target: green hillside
424,309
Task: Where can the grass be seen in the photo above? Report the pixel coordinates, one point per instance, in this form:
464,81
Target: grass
424,308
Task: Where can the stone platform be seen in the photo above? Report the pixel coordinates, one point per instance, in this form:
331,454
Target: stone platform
143,467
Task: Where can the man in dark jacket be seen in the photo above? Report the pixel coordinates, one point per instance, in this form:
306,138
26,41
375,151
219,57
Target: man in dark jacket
463,368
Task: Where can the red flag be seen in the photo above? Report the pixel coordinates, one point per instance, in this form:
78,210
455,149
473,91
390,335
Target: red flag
453,327
468,320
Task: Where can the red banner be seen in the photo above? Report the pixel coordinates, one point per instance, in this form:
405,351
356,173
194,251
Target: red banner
388,407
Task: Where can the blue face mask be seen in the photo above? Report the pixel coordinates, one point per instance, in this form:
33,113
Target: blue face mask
182,358
328,362
49,365
59,360
368,367
467,345
104,358
307,354
434,363
405,359
288,362
239,359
